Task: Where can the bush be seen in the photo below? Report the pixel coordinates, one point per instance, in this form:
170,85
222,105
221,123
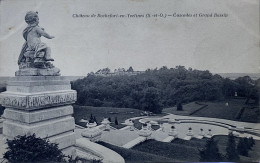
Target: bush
32,149
232,154
1,110
243,147
210,152
179,107
116,121
251,141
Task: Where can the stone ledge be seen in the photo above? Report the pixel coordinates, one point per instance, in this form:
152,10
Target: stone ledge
106,154
38,83
37,89
38,72
43,129
70,151
32,101
38,115
64,140
37,78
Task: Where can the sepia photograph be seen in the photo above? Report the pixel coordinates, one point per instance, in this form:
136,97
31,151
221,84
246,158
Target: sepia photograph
129,81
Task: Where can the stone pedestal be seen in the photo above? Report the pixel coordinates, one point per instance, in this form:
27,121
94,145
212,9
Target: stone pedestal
38,72
145,132
201,132
173,132
92,133
40,105
190,133
106,123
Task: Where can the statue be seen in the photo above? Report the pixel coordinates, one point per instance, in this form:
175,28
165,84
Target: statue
35,54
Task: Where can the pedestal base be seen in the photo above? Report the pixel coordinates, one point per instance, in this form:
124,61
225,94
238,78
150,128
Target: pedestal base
41,106
38,72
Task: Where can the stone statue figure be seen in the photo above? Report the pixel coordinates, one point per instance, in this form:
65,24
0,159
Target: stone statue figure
34,53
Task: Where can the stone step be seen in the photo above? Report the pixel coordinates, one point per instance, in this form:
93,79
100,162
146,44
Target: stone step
168,139
134,142
187,138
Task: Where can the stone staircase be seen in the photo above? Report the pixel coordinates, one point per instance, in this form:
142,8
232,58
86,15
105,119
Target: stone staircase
134,142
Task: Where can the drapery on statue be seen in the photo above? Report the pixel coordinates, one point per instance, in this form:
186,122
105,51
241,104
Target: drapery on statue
34,53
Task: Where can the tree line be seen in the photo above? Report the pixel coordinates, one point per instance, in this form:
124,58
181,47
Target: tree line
158,88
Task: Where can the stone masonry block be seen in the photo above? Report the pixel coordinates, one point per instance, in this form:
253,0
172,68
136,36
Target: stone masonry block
64,140
37,115
42,129
32,101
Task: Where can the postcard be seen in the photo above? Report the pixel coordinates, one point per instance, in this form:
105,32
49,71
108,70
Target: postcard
132,80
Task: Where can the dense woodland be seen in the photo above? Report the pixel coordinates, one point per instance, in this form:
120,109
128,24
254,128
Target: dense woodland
159,88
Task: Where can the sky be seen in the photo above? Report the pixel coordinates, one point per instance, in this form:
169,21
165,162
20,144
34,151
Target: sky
81,45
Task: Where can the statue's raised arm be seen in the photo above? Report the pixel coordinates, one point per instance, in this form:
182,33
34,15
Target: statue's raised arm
35,54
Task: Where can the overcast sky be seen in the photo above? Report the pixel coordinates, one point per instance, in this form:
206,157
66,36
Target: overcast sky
82,45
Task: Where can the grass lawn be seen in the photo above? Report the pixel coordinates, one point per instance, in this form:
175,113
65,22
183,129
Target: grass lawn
84,112
251,114
199,143
179,151
189,150
219,109
187,109
131,155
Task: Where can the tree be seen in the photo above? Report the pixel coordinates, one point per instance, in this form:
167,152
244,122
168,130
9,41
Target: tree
210,152
155,88
231,152
91,119
228,88
179,106
251,141
32,149
242,147
130,69
116,122
150,101
105,70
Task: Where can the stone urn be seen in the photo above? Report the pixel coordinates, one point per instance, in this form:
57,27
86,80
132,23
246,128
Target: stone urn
130,123
173,131
162,127
106,123
149,126
201,132
91,124
190,133
209,132
145,132
92,133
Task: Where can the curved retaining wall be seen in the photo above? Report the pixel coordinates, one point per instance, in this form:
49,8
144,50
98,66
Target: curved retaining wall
94,150
220,124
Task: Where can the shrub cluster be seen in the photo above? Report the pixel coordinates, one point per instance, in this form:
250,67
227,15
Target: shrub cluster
233,149
32,149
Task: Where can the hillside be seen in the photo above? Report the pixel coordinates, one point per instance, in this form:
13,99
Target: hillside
161,88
